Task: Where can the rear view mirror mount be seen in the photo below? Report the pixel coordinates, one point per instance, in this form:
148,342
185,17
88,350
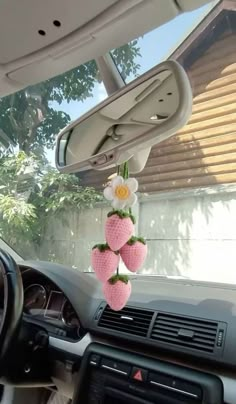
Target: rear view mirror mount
127,124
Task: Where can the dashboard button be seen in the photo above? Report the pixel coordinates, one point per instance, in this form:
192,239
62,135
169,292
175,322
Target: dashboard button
60,332
175,385
116,367
161,379
189,388
139,374
94,360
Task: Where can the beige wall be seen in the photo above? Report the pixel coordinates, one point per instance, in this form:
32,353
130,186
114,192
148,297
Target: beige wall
191,233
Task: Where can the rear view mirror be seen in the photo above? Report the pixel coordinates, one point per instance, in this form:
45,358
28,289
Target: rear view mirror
126,125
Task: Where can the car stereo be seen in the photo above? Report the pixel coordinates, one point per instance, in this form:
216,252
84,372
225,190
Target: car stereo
111,376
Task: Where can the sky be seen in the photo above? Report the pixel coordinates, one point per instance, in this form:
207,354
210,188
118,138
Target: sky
155,47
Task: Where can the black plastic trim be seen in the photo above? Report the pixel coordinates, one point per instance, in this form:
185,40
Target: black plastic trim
13,306
211,386
216,355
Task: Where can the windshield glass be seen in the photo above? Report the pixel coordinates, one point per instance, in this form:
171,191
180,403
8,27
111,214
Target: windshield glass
187,192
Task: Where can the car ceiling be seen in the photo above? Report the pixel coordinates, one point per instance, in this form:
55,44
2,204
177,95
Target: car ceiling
41,39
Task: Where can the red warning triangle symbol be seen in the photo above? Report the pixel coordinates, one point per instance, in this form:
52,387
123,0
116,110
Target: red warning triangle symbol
138,376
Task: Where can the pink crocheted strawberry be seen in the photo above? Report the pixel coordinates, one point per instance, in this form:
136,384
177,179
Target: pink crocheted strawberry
119,228
134,253
117,291
104,261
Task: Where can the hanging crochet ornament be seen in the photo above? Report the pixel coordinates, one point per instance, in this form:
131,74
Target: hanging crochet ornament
134,253
119,228
104,261
120,241
121,192
117,291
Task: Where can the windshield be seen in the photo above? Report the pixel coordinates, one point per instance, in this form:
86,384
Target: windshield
187,192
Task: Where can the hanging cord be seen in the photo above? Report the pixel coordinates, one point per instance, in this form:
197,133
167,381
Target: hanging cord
118,173
126,176
126,171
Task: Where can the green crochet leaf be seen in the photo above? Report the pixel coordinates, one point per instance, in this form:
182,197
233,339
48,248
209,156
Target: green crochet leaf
133,240
104,247
116,278
122,214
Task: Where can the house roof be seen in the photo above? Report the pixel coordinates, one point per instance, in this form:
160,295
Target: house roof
220,19
207,9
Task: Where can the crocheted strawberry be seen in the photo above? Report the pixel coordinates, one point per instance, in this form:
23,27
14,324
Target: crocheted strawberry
117,291
104,261
119,228
134,253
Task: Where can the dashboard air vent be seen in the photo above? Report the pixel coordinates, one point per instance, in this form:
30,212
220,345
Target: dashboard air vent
129,320
186,332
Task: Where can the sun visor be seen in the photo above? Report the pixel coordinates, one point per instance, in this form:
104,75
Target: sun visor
28,26
39,40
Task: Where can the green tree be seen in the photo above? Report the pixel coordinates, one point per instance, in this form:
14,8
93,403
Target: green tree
29,119
30,192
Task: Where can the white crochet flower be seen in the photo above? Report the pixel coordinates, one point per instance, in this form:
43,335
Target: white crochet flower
122,192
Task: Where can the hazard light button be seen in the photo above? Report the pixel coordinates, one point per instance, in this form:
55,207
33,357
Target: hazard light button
139,374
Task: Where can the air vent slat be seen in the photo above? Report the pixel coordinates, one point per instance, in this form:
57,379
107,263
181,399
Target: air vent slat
175,335
199,347
197,332
134,325
185,332
115,318
138,315
135,310
189,323
125,330
137,320
128,320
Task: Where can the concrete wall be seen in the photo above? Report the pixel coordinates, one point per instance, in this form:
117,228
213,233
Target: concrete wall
191,233
69,238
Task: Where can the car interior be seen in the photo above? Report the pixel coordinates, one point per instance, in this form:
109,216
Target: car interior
64,338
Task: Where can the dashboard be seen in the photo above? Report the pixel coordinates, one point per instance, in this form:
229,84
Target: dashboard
177,323
46,304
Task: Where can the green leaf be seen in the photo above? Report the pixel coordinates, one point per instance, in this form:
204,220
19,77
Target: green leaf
122,215
23,218
116,278
102,247
134,240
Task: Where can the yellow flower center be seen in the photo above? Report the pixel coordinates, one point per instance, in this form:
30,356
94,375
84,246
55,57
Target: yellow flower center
122,192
